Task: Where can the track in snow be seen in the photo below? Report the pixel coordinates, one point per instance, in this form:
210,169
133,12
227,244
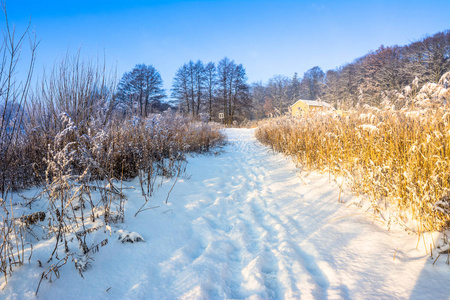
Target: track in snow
243,242
257,231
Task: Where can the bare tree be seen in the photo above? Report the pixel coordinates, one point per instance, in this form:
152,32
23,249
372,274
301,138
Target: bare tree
199,81
13,93
278,89
241,101
430,57
312,83
332,88
232,89
81,89
189,87
258,93
141,89
294,88
181,90
224,79
210,74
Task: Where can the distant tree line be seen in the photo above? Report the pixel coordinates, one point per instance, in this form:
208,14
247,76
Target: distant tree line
367,80
274,98
210,90
207,90
370,79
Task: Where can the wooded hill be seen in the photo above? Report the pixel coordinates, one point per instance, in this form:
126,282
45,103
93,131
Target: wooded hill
379,75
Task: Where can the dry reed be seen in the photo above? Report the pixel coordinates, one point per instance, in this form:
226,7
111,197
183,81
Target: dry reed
399,158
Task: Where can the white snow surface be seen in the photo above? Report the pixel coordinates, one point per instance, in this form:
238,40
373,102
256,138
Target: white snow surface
244,225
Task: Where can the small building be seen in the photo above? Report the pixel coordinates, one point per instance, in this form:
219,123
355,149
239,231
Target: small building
306,106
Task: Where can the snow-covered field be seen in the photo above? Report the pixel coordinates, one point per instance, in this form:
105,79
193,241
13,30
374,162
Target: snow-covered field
243,224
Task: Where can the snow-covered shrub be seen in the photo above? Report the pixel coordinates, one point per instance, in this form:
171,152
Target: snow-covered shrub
129,237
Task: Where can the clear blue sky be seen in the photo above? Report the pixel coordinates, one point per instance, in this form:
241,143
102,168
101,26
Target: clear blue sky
267,37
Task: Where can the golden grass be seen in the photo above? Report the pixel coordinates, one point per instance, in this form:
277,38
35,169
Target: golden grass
399,159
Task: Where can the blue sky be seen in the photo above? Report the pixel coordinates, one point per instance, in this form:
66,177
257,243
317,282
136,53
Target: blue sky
267,37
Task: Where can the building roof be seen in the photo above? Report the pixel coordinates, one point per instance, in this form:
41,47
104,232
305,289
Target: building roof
314,103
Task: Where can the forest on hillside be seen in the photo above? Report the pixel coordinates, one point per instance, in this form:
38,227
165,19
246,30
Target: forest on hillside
377,76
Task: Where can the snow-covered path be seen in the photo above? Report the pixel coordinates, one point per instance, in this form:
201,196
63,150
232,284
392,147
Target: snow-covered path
244,225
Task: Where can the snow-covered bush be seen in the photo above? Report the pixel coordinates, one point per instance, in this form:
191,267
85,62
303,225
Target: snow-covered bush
129,237
80,160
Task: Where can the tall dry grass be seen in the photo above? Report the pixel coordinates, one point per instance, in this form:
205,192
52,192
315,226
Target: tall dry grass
400,158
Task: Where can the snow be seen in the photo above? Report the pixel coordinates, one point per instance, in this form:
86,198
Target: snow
244,223
368,127
129,237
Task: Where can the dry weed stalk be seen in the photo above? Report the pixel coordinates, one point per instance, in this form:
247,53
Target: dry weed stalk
12,239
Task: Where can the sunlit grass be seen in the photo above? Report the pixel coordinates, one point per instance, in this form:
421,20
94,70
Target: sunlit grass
399,158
